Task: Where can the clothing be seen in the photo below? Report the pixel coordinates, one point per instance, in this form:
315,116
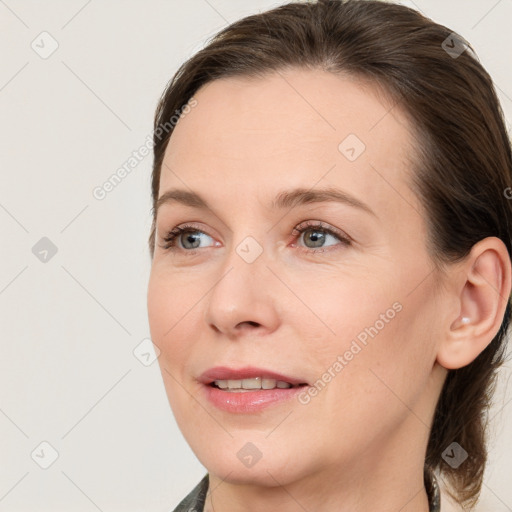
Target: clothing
194,501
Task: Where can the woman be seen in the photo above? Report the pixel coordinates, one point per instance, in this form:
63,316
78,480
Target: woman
331,266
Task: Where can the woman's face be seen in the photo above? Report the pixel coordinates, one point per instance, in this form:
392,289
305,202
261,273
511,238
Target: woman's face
348,308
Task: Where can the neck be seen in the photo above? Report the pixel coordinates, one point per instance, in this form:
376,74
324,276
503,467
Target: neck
299,498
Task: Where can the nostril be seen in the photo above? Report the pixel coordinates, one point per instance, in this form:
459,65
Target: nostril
249,322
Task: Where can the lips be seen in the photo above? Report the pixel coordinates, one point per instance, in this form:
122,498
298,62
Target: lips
252,401
247,372
248,401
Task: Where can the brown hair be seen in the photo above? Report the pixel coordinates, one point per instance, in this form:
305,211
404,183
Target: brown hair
462,165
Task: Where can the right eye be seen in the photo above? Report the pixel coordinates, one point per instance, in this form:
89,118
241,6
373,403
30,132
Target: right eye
188,242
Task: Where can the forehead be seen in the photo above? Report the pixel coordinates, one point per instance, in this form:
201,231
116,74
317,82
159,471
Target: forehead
292,128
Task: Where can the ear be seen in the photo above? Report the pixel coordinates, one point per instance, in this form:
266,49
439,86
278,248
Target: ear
483,291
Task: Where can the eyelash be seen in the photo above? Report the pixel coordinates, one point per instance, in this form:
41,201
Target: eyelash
170,238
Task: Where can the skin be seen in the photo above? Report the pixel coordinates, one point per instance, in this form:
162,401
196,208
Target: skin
362,439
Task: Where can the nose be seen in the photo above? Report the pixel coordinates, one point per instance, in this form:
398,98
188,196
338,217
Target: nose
244,298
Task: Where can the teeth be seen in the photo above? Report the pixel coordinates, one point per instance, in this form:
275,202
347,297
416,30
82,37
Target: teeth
268,383
254,383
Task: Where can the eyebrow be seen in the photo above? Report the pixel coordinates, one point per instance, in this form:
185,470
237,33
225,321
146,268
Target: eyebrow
286,199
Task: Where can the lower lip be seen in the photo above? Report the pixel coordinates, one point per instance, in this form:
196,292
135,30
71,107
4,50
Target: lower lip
250,401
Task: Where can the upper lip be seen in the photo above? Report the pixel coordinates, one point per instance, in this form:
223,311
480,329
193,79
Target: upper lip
247,372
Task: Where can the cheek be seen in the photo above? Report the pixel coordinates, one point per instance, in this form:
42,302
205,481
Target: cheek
173,316
341,308
377,344
170,298
388,375
358,327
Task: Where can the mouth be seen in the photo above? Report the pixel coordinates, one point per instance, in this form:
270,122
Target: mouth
249,390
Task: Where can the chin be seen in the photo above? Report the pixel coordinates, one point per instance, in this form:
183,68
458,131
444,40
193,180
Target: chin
239,461
260,474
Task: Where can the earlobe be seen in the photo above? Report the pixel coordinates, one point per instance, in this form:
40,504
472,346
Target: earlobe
482,298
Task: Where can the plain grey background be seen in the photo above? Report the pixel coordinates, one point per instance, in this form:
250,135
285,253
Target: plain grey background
84,420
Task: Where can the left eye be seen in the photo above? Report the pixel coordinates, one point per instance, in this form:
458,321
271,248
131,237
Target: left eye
317,237
318,233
